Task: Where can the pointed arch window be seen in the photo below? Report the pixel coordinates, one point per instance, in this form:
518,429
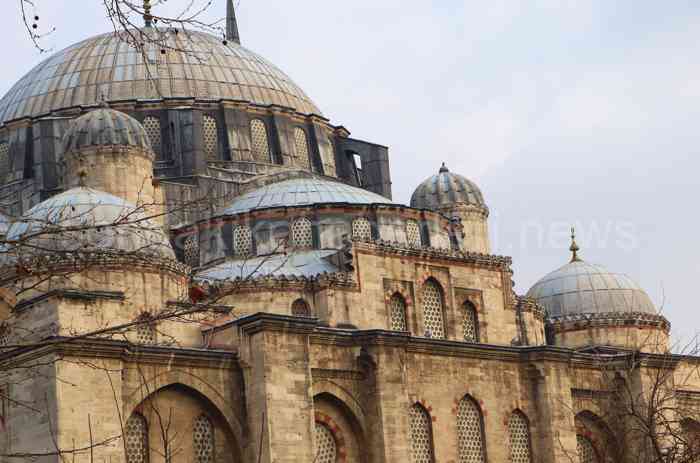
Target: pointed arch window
519,438
413,234
145,330
302,235
260,141
586,451
470,322
397,313
203,439
421,435
301,309
210,135
470,432
433,310
361,229
301,144
136,439
326,446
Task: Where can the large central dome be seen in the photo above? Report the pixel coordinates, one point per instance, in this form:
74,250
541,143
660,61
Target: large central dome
195,65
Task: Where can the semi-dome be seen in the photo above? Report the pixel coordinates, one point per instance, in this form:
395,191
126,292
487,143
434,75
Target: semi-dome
579,288
105,127
193,65
302,192
446,190
83,219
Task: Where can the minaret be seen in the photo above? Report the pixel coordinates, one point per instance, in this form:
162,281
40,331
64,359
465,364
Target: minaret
232,23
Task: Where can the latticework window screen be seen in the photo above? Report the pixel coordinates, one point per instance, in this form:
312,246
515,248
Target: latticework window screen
145,330
300,308
210,134
413,233
191,250
519,439
4,159
260,141
361,229
203,437
242,241
397,314
470,323
586,451
136,439
326,447
470,432
421,435
152,126
301,233
301,143
433,310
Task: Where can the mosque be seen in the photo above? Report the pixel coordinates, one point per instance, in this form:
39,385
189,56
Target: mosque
198,265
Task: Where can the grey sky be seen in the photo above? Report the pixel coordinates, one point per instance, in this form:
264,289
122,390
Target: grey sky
564,112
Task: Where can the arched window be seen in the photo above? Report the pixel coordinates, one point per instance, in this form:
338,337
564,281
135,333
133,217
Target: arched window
519,438
586,451
145,330
300,308
470,322
433,310
326,447
301,143
242,241
203,438
397,313
470,432
421,435
691,436
210,135
302,236
136,439
361,229
191,251
259,140
152,126
4,334
413,234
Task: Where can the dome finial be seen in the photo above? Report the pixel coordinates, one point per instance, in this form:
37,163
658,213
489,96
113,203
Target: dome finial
574,247
444,169
147,17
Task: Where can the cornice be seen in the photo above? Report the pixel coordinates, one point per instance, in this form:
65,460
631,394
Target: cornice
579,322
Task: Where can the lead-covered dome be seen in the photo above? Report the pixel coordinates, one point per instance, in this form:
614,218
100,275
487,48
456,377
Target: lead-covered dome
195,65
580,288
302,192
87,220
445,191
105,127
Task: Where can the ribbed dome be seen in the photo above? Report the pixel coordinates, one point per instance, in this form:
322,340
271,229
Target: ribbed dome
579,288
196,65
82,219
302,192
445,190
105,127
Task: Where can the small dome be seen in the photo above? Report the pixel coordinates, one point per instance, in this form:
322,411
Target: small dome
579,288
445,190
302,192
105,127
82,219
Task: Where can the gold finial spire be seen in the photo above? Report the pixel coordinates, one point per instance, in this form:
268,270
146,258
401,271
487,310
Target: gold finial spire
147,17
574,247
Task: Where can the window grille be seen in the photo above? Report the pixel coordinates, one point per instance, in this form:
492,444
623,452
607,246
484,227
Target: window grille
300,308
192,251
413,234
421,435
470,324
326,447
260,142
433,310
397,316
586,452
136,439
210,133
152,126
361,229
4,159
203,435
145,330
4,334
302,236
242,241
470,433
301,143
519,434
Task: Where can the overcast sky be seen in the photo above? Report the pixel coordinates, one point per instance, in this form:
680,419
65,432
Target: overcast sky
565,112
